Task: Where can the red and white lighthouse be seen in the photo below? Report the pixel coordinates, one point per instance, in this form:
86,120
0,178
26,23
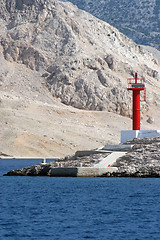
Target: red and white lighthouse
136,85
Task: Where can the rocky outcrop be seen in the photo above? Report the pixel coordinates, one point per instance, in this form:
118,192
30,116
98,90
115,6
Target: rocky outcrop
83,61
143,161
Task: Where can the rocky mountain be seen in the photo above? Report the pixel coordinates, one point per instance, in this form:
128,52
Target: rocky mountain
137,19
84,61
52,52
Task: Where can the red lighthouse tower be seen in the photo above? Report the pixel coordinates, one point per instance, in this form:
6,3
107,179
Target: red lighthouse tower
136,85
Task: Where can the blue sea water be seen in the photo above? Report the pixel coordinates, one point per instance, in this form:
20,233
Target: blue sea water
45,208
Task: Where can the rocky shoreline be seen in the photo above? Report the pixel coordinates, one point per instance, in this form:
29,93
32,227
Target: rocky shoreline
142,161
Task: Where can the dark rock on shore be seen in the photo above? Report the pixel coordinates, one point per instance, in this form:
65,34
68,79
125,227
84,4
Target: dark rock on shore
4,155
37,170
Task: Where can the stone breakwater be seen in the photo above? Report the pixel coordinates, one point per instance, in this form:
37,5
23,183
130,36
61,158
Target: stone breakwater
67,162
142,161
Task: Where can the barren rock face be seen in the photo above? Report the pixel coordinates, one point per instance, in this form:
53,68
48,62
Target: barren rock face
84,61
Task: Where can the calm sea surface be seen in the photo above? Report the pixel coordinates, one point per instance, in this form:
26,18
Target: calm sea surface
45,208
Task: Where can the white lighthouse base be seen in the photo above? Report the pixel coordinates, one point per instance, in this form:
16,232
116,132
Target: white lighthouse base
127,135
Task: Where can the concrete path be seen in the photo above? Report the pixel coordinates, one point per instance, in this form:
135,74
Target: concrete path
109,160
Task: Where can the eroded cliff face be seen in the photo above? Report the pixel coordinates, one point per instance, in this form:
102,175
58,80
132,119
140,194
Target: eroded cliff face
84,61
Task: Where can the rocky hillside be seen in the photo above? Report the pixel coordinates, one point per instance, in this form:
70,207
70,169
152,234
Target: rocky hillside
84,61
139,20
52,52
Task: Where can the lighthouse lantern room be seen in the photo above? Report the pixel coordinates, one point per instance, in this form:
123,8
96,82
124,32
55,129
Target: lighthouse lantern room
136,85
